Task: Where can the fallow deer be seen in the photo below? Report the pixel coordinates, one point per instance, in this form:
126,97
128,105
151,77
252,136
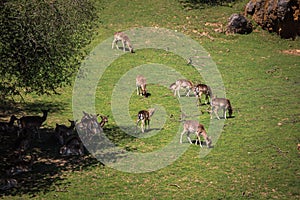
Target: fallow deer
89,126
141,85
182,84
120,36
73,147
144,117
62,131
33,122
193,126
202,89
220,104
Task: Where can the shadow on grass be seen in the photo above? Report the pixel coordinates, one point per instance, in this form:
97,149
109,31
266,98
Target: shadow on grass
11,108
47,171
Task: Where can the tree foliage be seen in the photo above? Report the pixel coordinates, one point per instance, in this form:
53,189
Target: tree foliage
41,43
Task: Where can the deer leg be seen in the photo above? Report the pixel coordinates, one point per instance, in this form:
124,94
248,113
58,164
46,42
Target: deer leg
142,126
124,44
198,138
137,123
215,110
206,99
224,113
113,44
188,137
183,132
188,92
148,122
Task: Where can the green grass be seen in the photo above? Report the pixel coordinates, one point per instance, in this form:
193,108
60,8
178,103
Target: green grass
254,158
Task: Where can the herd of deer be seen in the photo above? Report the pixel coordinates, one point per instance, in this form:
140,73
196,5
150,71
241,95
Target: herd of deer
189,126
27,129
71,144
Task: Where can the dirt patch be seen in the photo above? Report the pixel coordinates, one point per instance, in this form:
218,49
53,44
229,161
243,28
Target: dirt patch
295,52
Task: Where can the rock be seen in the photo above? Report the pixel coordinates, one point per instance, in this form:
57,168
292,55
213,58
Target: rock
237,23
280,16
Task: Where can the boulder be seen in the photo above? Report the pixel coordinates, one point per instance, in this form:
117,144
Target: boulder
238,23
280,16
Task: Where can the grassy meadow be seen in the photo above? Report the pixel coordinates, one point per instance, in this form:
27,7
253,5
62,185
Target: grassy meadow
256,155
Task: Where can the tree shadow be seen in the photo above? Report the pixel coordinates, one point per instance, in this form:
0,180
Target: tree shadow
46,172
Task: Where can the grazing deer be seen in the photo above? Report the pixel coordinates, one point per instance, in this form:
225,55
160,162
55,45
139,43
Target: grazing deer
8,126
183,84
220,103
202,89
62,131
173,87
141,85
144,116
193,126
33,122
120,36
73,147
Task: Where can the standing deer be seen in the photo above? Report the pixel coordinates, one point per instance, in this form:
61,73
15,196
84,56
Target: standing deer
141,85
33,122
193,126
144,116
202,89
220,103
182,84
120,36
